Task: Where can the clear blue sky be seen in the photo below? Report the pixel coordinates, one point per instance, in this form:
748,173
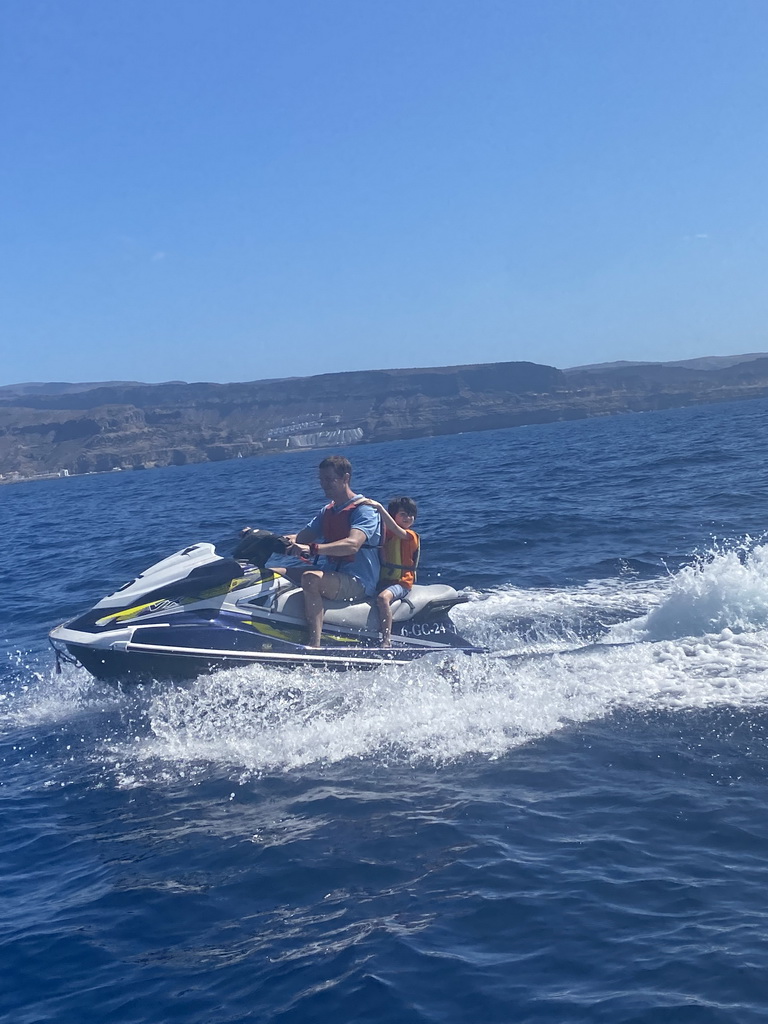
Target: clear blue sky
241,189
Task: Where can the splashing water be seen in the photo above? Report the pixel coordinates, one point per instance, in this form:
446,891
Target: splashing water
480,706
721,590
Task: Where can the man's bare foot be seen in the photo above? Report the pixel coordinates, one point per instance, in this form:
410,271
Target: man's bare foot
385,643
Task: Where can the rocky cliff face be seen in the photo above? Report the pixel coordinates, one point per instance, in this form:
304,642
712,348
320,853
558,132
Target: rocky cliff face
127,425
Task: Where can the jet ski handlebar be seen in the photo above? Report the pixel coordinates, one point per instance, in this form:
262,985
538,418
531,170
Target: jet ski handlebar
256,546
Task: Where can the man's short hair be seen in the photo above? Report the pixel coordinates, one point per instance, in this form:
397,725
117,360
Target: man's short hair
403,504
340,465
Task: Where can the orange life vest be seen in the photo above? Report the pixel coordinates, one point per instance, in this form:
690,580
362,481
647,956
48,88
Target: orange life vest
399,558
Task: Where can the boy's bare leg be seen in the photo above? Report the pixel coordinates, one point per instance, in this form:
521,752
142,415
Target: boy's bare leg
384,602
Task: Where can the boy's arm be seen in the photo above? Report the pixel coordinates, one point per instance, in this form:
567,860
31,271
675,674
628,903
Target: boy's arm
387,519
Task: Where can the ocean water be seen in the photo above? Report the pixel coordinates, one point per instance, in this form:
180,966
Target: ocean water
570,828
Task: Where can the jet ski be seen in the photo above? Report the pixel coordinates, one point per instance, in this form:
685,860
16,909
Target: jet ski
198,610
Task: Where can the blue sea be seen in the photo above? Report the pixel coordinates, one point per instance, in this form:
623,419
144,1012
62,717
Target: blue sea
571,827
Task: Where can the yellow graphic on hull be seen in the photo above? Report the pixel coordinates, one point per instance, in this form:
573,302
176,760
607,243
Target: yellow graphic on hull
131,613
266,630
249,581
290,634
340,639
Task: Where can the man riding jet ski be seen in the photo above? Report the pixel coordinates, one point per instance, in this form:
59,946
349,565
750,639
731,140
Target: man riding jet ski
199,610
344,539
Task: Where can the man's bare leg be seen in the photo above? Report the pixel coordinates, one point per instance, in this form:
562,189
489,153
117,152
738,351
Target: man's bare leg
318,584
312,585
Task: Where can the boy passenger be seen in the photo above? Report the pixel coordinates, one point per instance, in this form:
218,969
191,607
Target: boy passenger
400,556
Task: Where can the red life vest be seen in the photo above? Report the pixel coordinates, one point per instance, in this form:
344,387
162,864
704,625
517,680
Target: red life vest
399,559
336,525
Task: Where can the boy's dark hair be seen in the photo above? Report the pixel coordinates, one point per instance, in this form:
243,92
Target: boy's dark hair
340,465
402,504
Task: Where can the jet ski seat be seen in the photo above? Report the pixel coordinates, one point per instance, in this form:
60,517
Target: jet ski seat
364,614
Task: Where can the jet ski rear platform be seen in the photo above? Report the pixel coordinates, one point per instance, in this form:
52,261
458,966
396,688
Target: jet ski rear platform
197,611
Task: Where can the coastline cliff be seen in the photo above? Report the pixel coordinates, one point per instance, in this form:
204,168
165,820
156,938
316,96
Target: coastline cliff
50,429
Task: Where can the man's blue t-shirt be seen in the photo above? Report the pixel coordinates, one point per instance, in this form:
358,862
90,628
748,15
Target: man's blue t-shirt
366,564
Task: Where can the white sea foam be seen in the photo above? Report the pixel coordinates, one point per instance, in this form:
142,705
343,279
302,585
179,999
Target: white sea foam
37,695
443,709
726,590
263,721
514,620
484,705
